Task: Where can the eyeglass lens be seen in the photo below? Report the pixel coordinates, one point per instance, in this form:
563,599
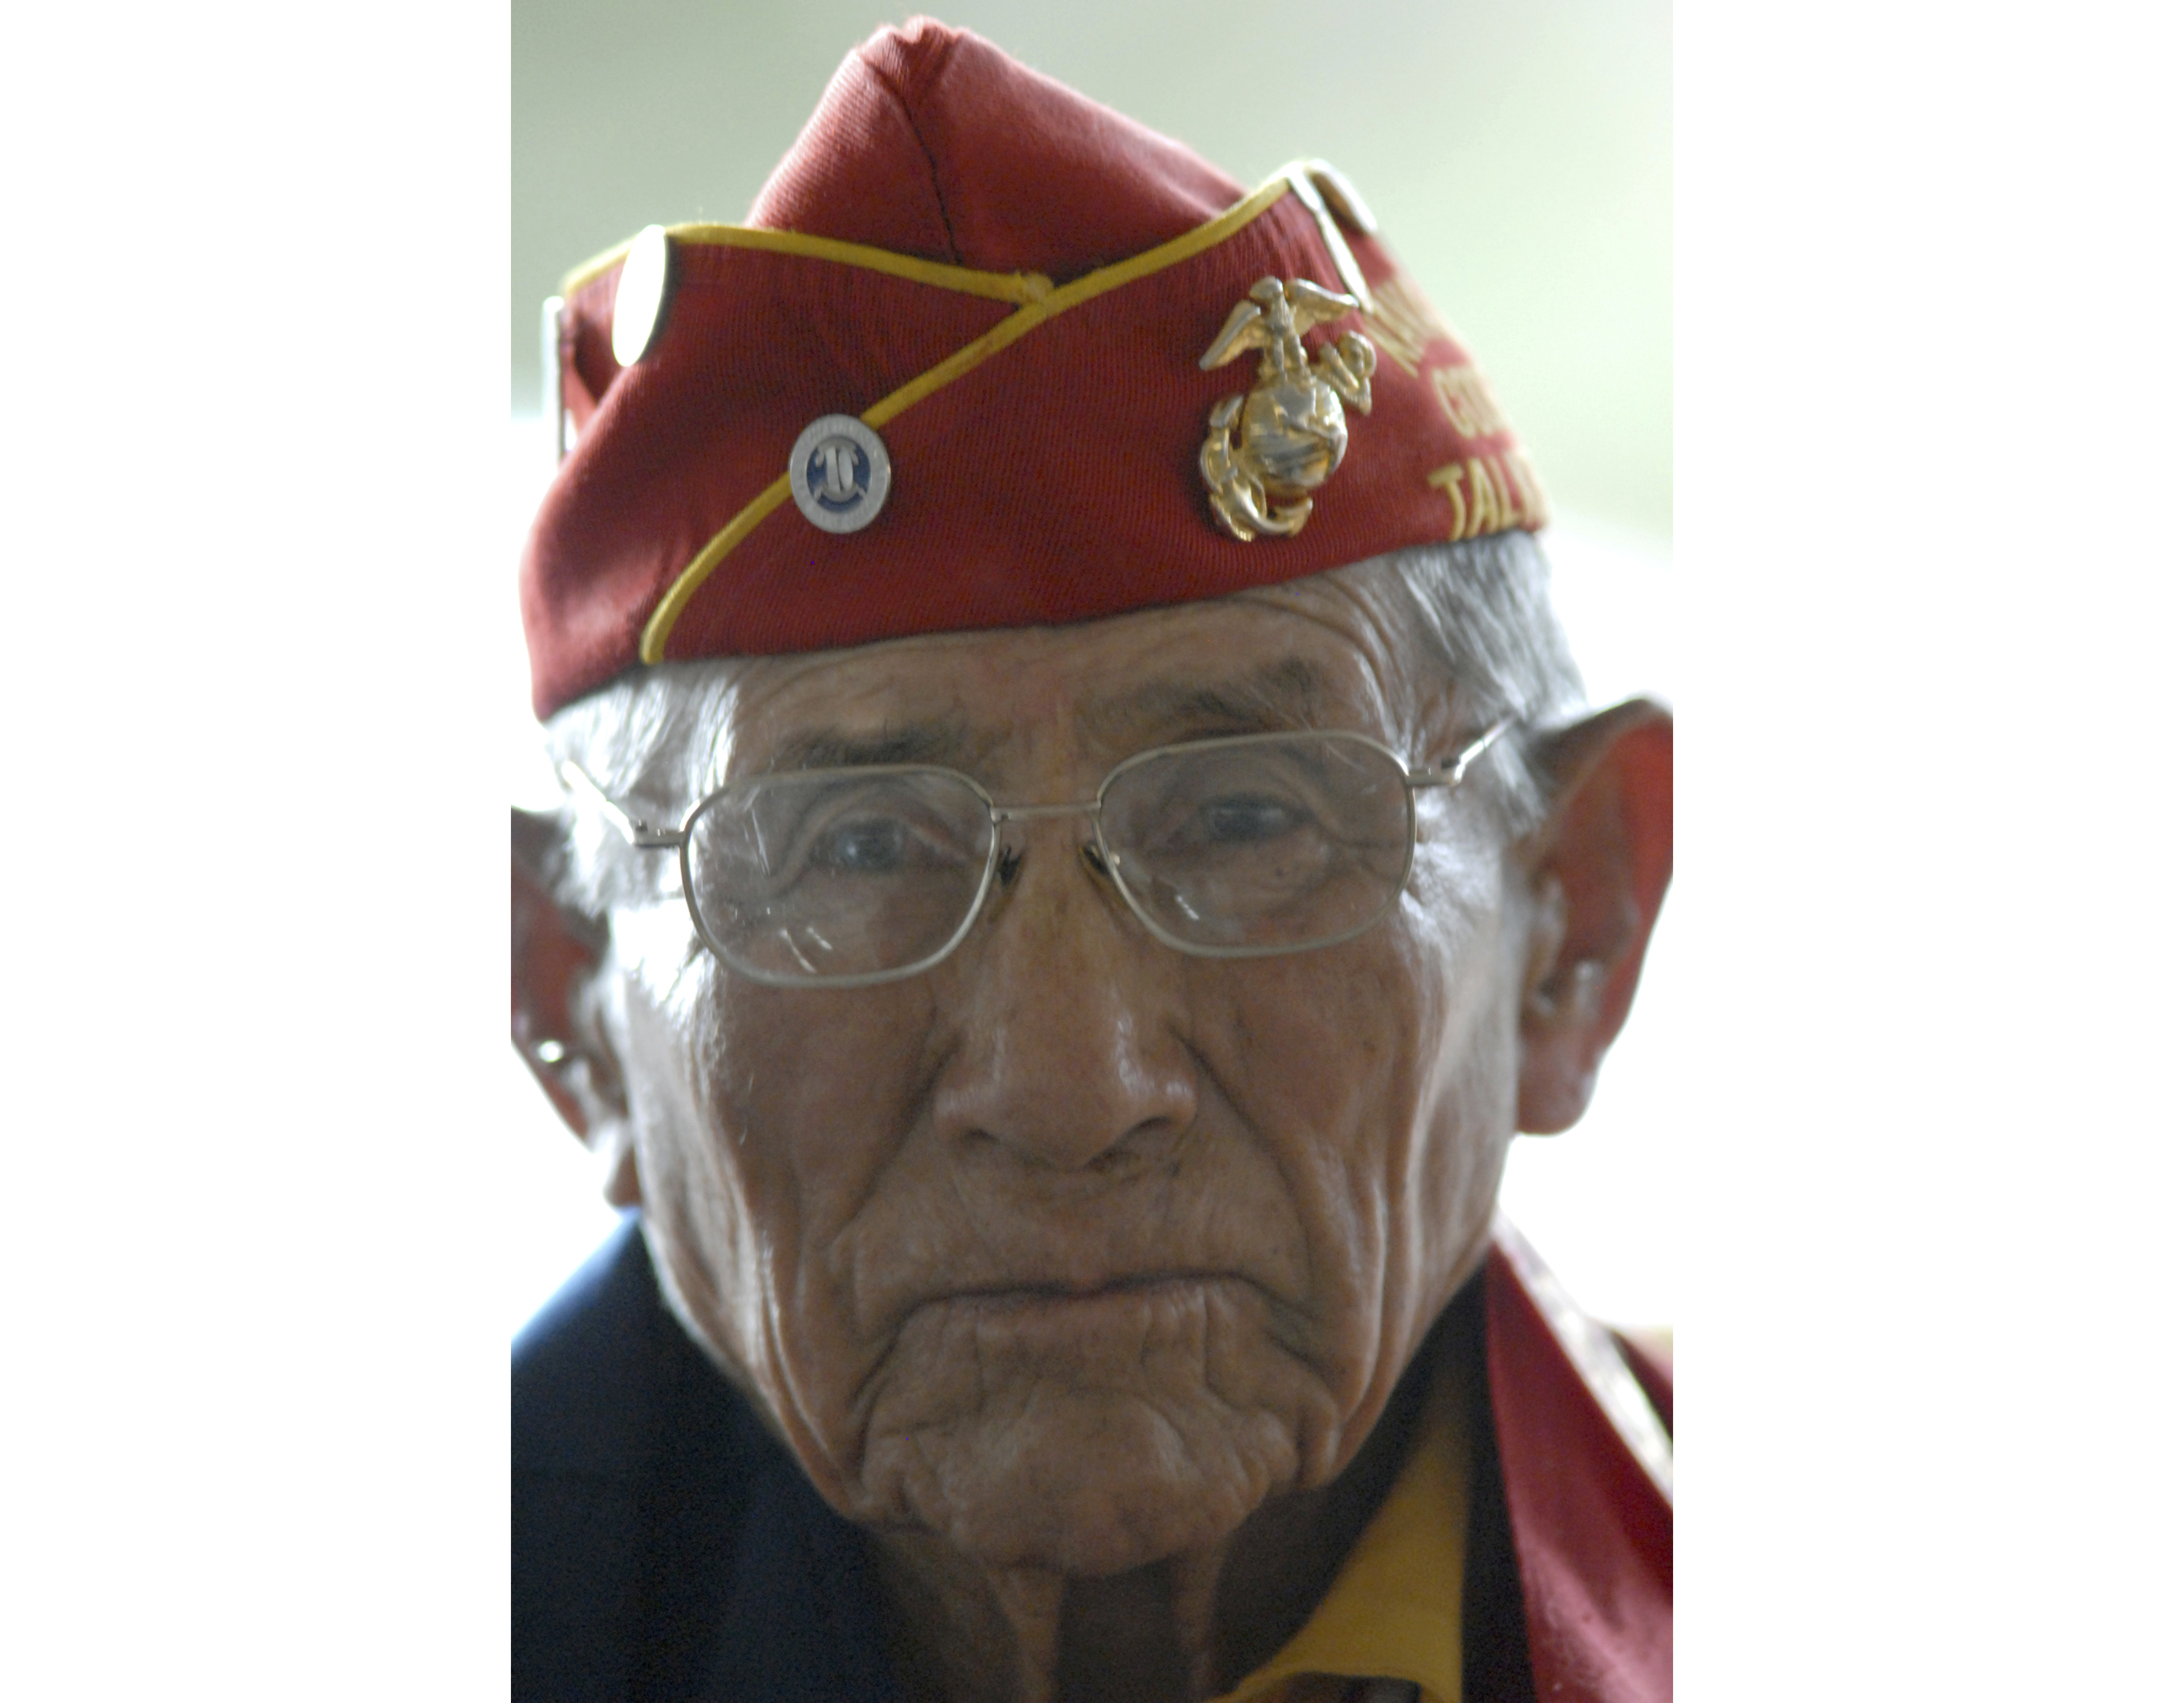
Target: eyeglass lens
825,875
1264,846
1260,845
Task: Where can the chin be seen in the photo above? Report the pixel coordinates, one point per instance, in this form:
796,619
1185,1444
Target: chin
1084,1483
1089,1437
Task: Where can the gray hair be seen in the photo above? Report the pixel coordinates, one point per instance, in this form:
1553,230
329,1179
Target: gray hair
1480,612
1482,617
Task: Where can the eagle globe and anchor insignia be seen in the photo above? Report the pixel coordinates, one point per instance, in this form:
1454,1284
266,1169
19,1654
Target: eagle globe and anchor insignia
1267,450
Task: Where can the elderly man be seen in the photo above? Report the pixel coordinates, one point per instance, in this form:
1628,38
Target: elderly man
1083,846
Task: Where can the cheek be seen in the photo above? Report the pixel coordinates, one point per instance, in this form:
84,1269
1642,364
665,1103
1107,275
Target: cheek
766,1118
1468,1104
1339,1042
1388,1068
1330,1052
1328,1058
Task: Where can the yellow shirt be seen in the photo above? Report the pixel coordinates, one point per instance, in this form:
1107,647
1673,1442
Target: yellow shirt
1396,1610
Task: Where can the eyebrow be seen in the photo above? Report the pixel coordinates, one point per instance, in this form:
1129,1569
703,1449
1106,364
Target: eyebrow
1282,696
947,743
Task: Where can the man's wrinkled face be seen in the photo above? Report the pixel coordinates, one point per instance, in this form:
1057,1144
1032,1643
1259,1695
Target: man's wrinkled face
1075,1248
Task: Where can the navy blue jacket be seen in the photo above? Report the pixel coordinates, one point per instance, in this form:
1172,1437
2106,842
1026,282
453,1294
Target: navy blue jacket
666,1547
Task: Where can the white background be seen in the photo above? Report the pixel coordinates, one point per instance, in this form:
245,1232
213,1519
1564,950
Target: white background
1926,913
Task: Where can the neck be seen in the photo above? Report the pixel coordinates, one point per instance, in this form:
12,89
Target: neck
1184,1627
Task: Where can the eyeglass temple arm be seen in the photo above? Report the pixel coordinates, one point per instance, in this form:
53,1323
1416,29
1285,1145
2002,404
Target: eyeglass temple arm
1452,772
636,832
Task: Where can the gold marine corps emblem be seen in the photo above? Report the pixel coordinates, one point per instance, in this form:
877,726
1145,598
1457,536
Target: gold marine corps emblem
1267,450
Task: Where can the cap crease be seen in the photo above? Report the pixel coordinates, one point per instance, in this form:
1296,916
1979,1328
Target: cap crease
910,122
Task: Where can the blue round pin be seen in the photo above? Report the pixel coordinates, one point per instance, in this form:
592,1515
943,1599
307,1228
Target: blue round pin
838,473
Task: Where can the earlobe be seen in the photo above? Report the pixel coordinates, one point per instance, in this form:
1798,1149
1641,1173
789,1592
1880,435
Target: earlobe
1601,866
555,952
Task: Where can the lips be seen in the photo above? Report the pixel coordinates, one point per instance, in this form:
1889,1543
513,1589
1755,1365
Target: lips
1134,1310
1037,1293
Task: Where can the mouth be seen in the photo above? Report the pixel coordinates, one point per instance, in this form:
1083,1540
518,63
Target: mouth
1054,1314
1064,1291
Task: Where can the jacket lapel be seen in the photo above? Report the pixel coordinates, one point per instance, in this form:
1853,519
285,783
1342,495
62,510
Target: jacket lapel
1589,1476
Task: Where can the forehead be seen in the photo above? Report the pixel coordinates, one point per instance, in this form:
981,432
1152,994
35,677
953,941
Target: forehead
1314,654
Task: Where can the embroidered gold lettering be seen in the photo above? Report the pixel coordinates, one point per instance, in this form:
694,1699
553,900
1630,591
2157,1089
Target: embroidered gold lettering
1402,323
1469,401
1450,479
1491,494
1506,488
1486,500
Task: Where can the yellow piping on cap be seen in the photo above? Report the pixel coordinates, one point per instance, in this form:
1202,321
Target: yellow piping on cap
1004,286
1034,313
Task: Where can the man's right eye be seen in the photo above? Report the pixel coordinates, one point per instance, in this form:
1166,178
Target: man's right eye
869,845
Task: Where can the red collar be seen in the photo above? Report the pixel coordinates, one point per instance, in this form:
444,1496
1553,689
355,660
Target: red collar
1588,1472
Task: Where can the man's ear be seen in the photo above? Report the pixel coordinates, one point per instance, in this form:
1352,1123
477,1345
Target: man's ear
1599,870
554,954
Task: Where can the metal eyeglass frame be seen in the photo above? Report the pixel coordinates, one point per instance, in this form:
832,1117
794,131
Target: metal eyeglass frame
643,838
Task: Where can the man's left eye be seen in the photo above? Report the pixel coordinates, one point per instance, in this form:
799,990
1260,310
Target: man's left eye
1245,821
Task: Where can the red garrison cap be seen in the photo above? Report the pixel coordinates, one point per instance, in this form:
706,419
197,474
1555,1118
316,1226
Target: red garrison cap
1036,308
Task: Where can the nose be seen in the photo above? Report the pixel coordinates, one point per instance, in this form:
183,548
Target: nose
1070,1056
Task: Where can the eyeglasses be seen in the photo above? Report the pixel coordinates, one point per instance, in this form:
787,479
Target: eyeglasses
1235,848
